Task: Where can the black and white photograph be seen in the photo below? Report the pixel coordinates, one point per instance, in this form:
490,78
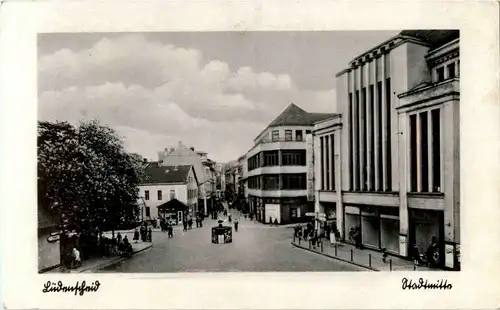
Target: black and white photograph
249,155
249,151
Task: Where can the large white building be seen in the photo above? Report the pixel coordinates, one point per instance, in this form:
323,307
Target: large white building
277,170
164,183
390,164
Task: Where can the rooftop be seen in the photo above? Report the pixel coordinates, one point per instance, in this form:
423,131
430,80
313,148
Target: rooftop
166,174
293,115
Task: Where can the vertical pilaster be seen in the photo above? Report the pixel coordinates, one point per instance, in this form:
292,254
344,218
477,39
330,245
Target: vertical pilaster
369,121
338,175
325,158
384,124
404,150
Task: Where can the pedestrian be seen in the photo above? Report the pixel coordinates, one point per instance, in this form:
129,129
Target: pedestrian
236,225
118,239
150,235
170,232
229,218
432,254
384,255
136,236
276,221
201,222
190,223
185,224
415,254
76,258
270,221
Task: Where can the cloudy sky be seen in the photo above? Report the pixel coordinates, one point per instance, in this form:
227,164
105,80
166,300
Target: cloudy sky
214,91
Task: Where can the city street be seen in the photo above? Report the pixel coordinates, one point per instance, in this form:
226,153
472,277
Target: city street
255,247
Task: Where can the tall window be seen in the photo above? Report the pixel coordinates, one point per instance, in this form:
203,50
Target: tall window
332,154
356,136
298,135
146,195
424,152
440,74
275,135
436,147
451,70
389,134
160,195
148,211
372,140
380,133
327,163
172,193
322,162
413,153
364,161
288,135
351,170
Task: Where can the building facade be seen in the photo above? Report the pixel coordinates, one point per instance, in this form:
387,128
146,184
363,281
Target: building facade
277,170
392,161
163,183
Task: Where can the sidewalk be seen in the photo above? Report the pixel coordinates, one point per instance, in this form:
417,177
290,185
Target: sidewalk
94,264
366,258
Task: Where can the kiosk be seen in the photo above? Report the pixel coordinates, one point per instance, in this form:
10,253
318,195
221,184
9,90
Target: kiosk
222,234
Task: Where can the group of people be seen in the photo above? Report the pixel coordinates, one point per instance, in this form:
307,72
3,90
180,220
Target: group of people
124,246
167,227
431,257
146,234
355,237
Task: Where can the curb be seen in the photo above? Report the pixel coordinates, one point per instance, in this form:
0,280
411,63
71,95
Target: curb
337,258
115,261
46,269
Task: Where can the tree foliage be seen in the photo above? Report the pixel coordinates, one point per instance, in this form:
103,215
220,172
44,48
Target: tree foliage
85,175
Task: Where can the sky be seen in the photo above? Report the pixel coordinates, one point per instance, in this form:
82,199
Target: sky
214,91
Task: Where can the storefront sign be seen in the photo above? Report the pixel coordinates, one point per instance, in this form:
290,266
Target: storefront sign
310,166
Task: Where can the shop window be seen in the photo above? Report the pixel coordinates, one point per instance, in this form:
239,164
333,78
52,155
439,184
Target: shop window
160,195
275,135
288,135
146,195
298,135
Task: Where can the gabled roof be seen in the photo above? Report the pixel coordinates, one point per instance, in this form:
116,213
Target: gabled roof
166,174
295,116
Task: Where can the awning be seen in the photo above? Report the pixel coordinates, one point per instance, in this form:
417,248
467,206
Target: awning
173,204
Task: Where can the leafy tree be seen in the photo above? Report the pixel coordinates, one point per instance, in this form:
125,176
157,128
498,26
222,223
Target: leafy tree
85,175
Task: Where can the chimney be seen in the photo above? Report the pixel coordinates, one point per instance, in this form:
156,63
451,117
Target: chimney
192,148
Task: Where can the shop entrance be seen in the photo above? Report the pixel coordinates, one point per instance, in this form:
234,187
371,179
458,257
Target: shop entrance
423,225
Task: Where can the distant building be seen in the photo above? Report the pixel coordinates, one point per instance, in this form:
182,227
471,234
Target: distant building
389,165
277,170
163,183
183,155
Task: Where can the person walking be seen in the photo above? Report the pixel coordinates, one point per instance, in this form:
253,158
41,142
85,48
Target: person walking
136,236
185,225
276,222
150,235
236,225
190,223
170,231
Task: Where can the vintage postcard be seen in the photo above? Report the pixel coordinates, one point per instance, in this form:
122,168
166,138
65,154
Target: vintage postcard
254,155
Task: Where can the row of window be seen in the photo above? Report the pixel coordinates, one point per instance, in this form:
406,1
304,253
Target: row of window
425,151
291,181
369,133
159,194
290,135
272,158
447,71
